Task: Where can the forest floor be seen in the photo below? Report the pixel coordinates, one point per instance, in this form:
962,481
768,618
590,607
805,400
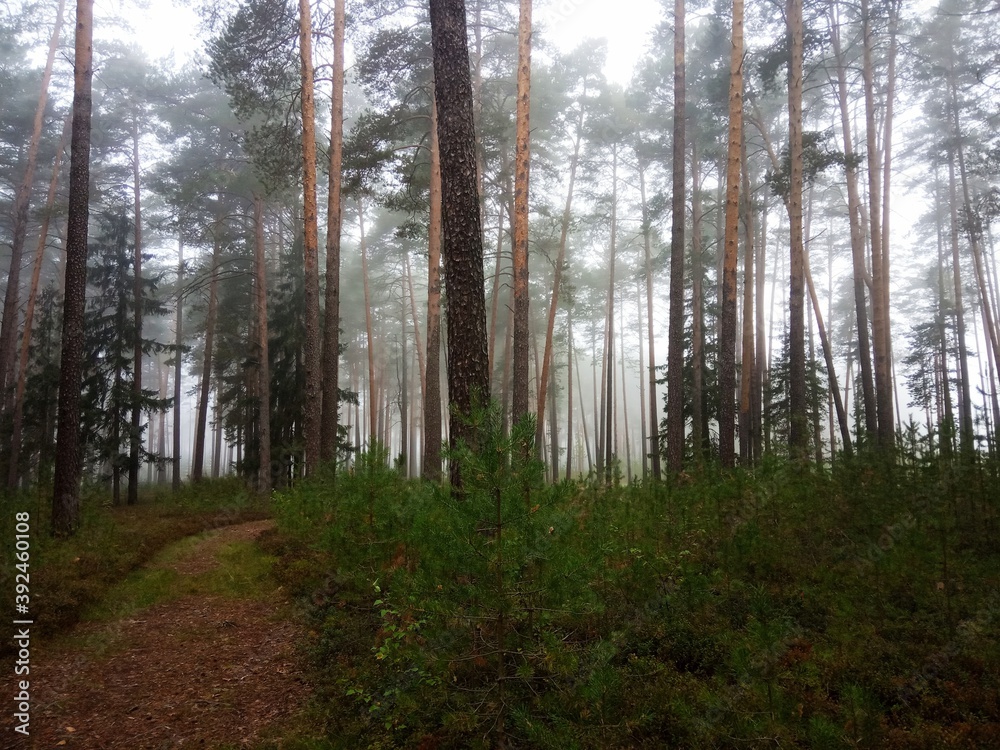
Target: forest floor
195,649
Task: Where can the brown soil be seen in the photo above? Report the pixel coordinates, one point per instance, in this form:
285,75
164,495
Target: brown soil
200,671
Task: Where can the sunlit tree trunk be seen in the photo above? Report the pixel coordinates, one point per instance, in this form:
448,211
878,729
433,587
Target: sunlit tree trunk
312,349
68,468
675,340
331,329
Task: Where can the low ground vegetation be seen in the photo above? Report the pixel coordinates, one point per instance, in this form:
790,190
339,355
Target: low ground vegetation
784,607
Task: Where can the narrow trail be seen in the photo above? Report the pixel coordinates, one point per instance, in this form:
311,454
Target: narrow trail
214,666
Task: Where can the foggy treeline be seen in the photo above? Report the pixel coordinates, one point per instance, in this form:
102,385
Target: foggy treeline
775,239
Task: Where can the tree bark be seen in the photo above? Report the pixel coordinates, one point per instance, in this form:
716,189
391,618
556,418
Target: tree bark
66,480
468,365
135,436
569,394
747,455
17,425
557,281
727,334
431,463
608,398
264,477
883,365
369,330
675,340
798,437
9,324
312,349
654,432
331,313
854,211
699,420
178,368
522,156
201,427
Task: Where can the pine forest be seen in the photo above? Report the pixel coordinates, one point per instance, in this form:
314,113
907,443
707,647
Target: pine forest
500,374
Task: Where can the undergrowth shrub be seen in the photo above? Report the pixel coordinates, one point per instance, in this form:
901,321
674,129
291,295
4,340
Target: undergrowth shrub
787,605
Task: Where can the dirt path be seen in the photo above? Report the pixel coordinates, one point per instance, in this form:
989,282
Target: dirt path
203,670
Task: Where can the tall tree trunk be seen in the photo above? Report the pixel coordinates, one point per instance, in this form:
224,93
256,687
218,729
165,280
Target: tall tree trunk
17,425
468,365
421,367
699,420
946,421
727,333
201,426
654,432
311,349
583,416
759,370
974,229
747,454
161,449
569,394
135,435
857,234
331,313
831,371
264,480
609,446
624,390
404,405
643,444
431,463
675,340
369,331
557,280
9,324
178,368
522,158
880,312
798,401
68,468
965,432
